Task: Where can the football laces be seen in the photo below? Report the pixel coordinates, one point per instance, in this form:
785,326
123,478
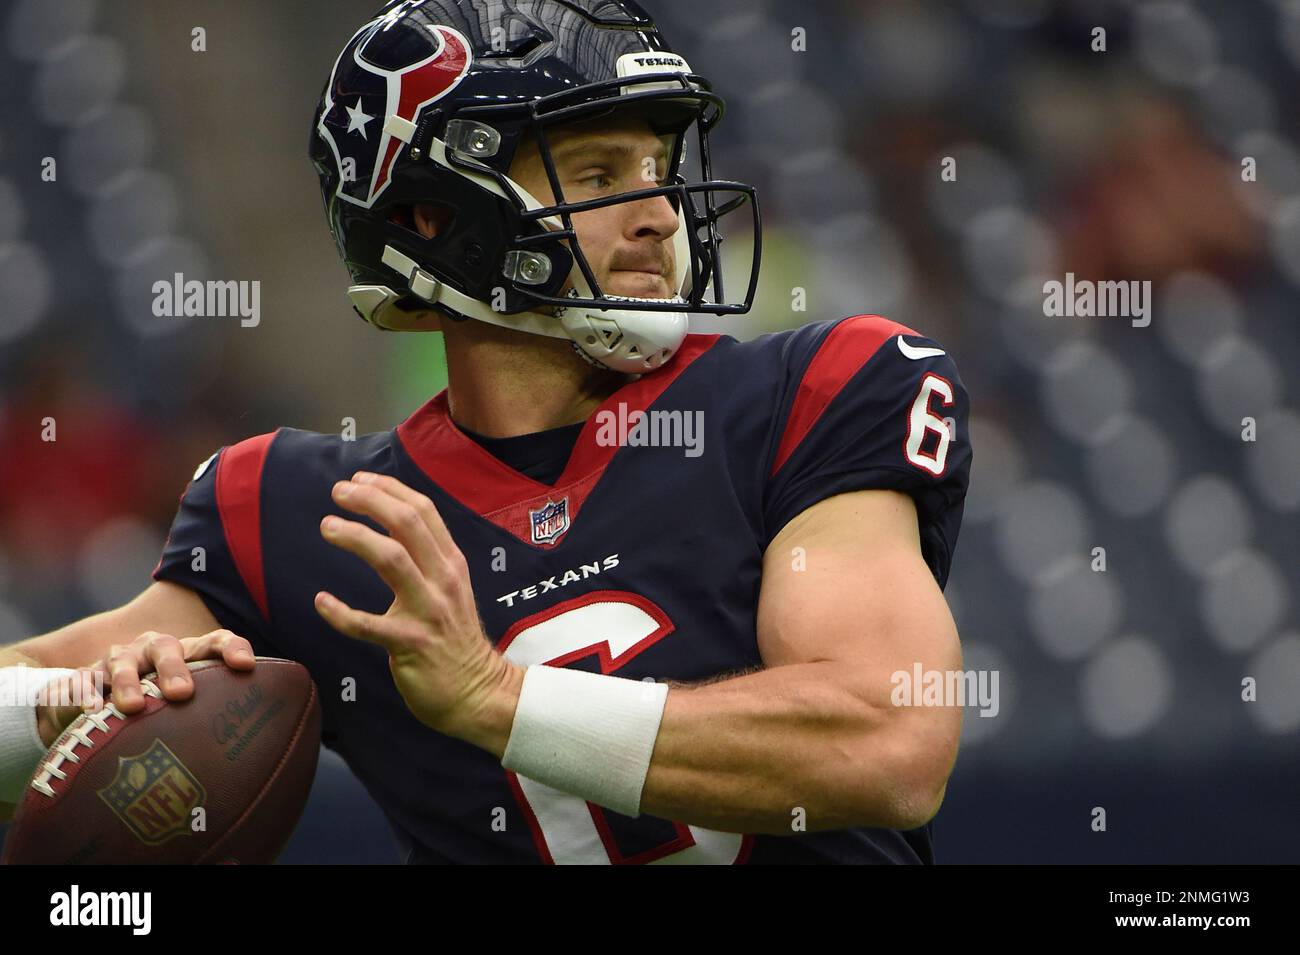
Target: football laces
78,733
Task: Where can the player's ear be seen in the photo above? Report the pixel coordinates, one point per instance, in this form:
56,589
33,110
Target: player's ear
430,218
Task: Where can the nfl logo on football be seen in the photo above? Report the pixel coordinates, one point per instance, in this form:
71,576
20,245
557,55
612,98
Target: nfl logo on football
550,521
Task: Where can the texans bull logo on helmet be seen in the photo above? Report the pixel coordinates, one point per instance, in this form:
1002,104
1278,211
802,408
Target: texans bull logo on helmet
363,153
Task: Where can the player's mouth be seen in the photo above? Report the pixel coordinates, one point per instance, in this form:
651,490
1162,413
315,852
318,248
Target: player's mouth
643,278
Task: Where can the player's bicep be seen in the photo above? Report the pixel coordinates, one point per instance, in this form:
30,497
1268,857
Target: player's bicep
845,580
845,585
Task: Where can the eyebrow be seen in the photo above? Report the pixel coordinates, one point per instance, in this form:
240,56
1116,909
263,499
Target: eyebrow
565,150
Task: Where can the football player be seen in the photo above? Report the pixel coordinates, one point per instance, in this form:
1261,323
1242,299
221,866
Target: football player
620,593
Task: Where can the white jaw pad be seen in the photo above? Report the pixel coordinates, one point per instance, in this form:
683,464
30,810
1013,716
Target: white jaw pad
629,341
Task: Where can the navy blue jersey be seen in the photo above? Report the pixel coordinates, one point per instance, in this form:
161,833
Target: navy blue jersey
642,559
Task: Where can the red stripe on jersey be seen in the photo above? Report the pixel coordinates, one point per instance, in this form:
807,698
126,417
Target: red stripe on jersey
239,503
846,348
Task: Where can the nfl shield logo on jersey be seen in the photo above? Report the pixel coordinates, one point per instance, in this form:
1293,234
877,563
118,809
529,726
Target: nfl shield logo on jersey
550,521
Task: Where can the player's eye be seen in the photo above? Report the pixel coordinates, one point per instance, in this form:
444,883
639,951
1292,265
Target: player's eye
596,179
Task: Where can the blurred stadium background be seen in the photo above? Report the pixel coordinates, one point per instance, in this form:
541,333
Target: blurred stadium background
1120,689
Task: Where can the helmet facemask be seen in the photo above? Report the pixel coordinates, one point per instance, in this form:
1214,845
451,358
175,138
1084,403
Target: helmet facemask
546,274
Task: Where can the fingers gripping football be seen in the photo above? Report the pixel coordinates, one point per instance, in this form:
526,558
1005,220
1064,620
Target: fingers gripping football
80,689
167,655
121,668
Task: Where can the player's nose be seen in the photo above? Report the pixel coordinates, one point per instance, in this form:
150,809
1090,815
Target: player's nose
653,217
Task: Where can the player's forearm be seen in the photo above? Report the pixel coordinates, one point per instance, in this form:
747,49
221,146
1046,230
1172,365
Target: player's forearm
793,745
13,657
76,644
800,743
162,606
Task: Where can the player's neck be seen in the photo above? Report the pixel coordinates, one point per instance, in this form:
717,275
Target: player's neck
503,383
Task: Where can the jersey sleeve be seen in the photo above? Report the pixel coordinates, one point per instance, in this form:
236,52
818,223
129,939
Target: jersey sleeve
215,547
871,404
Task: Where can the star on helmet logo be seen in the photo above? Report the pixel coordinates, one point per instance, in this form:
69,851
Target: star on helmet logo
397,92
357,119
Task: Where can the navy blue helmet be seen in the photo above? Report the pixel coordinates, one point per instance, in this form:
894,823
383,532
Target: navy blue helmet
428,103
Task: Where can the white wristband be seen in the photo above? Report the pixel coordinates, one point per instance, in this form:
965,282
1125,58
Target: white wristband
586,734
21,748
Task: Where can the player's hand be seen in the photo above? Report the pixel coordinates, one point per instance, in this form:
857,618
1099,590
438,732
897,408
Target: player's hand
121,667
442,662
80,685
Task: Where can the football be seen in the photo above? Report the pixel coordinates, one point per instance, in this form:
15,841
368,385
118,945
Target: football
219,778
